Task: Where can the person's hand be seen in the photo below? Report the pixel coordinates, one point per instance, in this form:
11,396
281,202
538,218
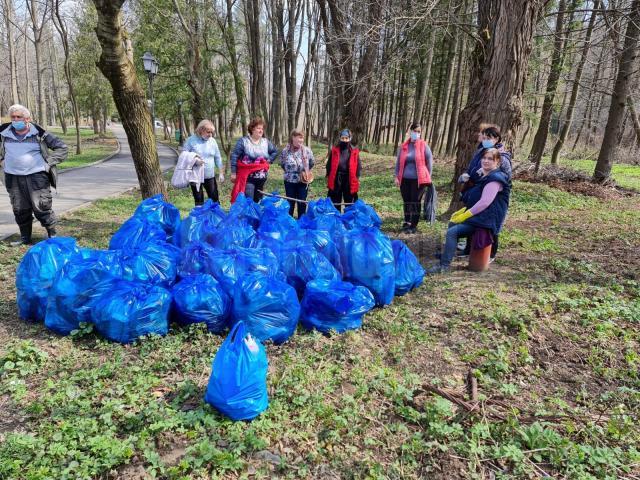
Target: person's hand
461,215
221,177
233,177
463,178
396,181
199,161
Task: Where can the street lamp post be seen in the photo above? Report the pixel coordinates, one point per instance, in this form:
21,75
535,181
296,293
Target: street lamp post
151,67
180,137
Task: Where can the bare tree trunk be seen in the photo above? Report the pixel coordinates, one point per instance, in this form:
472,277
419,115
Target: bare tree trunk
634,117
576,86
53,61
128,96
455,108
620,94
424,77
497,75
11,49
440,121
257,98
37,27
557,59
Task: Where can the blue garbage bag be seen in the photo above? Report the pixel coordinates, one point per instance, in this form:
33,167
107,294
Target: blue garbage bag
228,266
268,306
321,240
409,271
77,286
155,263
367,259
245,209
130,310
238,384
360,215
136,232
303,263
155,210
322,215
201,299
196,258
277,203
233,233
334,305
276,224
201,221
36,273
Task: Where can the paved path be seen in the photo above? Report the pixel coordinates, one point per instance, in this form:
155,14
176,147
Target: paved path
84,185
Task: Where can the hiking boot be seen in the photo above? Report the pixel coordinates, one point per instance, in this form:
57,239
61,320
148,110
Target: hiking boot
25,236
51,232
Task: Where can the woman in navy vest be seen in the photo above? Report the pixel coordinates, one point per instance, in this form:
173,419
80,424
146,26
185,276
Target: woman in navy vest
489,200
343,171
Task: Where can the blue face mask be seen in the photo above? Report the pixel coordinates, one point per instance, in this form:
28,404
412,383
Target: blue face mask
19,125
415,136
488,143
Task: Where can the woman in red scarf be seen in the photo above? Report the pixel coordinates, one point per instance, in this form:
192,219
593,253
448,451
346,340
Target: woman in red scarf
413,174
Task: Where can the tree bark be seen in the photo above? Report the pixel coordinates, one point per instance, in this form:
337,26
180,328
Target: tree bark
456,101
11,49
498,74
424,77
37,28
557,59
257,98
620,94
634,118
576,86
128,96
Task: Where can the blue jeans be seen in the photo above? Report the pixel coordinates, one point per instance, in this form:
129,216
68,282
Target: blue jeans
298,191
455,231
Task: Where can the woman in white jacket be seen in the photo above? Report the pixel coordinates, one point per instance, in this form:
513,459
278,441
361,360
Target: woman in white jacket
204,145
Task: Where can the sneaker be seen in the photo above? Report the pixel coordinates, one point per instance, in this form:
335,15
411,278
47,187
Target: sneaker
437,269
492,259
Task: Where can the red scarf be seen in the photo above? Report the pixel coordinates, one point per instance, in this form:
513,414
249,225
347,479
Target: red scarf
242,173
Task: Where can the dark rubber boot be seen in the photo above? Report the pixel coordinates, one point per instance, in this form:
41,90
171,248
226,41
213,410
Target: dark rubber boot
25,235
51,232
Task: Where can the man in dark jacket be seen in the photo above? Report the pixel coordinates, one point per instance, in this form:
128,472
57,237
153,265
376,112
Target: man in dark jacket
29,156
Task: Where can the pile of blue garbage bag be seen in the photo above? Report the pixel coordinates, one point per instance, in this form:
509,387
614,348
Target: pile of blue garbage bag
253,270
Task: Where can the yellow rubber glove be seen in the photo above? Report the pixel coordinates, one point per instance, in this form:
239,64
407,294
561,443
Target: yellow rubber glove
461,215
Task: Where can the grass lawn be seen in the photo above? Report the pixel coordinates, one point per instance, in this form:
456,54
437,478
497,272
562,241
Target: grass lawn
550,333
94,147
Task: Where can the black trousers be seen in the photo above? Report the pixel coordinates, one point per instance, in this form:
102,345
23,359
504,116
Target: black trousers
30,195
299,191
342,191
210,185
412,198
252,187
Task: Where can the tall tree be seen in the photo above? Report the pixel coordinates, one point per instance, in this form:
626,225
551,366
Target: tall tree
498,73
128,96
38,22
8,13
620,93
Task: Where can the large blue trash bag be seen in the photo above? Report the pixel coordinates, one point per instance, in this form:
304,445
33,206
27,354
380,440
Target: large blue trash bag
238,384
130,310
247,210
196,258
277,203
233,233
321,240
276,224
303,263
201,299
136,232
334,305
360,215
201,221
228,266
367,259
76,287
322,215
155,210
268,306
409,272
155,263
36,273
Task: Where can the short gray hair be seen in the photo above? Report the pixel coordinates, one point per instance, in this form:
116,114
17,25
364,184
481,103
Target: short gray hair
203,125
20,109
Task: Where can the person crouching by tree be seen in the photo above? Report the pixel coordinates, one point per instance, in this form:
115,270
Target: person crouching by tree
250,161
29,155
203,143
297,161
490,201
413,173
343,171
